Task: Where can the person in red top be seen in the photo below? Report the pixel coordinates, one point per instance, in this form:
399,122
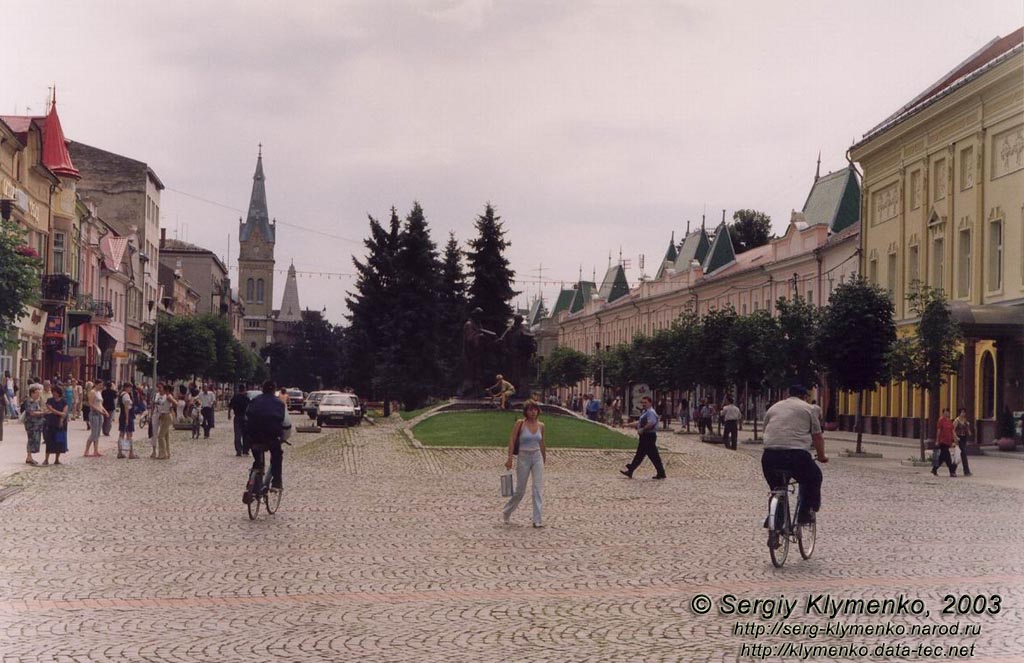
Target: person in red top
944,441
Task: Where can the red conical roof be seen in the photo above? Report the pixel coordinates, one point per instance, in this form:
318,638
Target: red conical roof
55,149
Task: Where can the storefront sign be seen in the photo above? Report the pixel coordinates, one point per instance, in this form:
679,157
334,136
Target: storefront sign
120,355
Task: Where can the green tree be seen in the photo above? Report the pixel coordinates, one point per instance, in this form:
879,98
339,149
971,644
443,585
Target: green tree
749,229
685,360
452,314
491,286
754,342
564,367
187,348
19,279
371,308
223,368
713,348
856,334
798,322
927,358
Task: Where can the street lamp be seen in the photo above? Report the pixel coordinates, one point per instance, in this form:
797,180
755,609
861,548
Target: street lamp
600,358
156,327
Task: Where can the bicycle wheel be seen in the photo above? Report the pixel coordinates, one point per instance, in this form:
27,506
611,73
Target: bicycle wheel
805,538
778,537
254,507
273,499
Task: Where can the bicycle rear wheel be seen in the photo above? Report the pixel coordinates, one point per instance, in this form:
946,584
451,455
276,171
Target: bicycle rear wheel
778,537
778,548
805,538
273,499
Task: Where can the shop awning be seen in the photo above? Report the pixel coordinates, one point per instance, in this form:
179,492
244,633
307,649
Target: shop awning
988,320
110,337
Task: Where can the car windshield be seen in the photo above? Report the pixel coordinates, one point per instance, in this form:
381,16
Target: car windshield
336,399
295,393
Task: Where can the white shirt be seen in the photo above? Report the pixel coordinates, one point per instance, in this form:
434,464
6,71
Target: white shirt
731,413
789,424
163,405
207,399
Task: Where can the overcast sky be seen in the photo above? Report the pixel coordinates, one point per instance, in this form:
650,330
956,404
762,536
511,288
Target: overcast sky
589,125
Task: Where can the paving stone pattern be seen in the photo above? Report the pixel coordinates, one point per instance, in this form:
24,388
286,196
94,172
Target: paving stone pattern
383,552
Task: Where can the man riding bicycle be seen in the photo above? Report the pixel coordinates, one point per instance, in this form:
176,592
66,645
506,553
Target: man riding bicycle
265,429
791,428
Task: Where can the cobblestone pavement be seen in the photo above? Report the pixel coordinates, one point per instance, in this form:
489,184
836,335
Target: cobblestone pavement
382,552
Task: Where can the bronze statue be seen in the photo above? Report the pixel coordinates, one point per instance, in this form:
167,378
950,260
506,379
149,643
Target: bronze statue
518,346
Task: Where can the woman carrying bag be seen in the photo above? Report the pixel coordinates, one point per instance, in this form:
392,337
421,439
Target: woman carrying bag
55,432
527,444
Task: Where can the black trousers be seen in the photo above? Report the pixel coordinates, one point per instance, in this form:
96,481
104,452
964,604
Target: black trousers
941,456
801,466
207,413
276,459
731,434
648,447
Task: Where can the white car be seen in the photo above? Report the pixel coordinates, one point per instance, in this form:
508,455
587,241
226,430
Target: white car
338,407
313,400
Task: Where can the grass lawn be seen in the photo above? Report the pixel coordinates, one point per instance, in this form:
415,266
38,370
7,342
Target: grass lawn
412,414
491,429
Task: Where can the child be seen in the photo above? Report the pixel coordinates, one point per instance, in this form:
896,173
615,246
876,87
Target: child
197,421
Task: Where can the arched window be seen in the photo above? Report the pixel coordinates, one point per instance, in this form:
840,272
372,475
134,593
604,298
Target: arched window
259,290
988,386
250,290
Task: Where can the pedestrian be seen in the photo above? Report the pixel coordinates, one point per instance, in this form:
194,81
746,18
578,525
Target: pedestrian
707,415
126,422
165,405
944,442
964,434
648,445
237,406
195,418
69,397
526,443
86,409
731,420
10,389
616,411
684,414
660,409
207,399
55,431
593,407
97,415
76,406
109,404
34,422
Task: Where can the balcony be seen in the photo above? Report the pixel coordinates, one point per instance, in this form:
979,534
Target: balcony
58,291
86,309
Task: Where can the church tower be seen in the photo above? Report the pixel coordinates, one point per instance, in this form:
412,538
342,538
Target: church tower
256,237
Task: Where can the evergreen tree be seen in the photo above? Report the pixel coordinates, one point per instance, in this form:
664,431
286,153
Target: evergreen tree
451,314
491,287
410,365
370,308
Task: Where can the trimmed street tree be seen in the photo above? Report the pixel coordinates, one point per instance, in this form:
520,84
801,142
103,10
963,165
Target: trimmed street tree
753,343
855,336
19,279
798,322
927,358
491,286
564,367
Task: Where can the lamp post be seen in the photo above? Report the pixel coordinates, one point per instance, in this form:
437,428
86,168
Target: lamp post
156,327
600,358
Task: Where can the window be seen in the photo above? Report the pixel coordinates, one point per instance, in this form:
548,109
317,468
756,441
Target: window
988,386
939,181
995,255
259,290
890,276
873,271
250,291
913,268
938,259
59,251
964,264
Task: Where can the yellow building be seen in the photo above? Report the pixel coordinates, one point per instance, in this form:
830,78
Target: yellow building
943,205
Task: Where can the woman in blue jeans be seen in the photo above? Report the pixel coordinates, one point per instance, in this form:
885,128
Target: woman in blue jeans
530,459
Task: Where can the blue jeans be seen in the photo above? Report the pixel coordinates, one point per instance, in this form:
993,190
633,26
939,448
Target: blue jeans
528,463
239,431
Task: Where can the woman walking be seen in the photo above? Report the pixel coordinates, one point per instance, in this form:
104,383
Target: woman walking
126,422
34,422
97,415
964,433
86,409
527,444
165,404
55,431
944,441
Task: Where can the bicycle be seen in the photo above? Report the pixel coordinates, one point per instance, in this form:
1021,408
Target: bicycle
258,490
783,526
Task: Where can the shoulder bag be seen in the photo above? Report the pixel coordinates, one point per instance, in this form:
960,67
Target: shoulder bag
518,431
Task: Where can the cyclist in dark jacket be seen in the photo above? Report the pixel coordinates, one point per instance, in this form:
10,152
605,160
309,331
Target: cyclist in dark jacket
264,423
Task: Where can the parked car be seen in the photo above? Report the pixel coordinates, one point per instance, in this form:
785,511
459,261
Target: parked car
312,400
338,407
296,399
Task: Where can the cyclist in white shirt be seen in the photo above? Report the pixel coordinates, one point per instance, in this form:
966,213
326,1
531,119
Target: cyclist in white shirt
791,429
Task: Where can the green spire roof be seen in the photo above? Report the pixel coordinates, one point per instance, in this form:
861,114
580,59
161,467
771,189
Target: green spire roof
564,301
695,247
721,252
671,255
834,200
614,284
584,291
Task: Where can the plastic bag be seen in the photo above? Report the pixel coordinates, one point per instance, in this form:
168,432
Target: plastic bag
506,485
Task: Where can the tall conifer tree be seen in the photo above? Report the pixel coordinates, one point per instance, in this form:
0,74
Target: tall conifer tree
491,287
452,313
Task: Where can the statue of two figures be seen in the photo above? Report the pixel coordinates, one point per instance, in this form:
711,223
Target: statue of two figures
484,350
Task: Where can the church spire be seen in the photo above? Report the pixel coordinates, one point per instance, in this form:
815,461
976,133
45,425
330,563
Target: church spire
258,219
817,171
290,311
